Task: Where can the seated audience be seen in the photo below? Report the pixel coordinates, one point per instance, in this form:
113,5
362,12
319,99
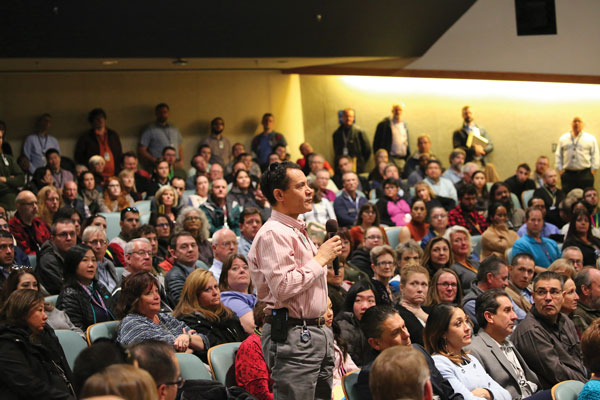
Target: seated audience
90,195
552,196
237,292
343,363
49,202
479,181
548,230
441,186
424,192
33,362
165,202
95,220
580,236
242,190
347,203
30,232
361,297
446,335
544,250
194,221
127,179
587,283
95,238
383,264
438,223
322,209
130,221
184,250
41,178
368,216
376,175
393,210
519,287
437,254
418,173
129,161
83,298
465,214
361,257
548,340
250,223
590,344
574,256
465,265
160,176
251,371
201,309
499,193
344,165
73,215
122,380
454,172
414,283
498,356
322,179
60,176
215,206
71,199
417,228
384,328
423,146
497,238
139,309
159,360
148,232
201,195
444,288
571,299
113,197
337,287
520,181
224,244
563,267
391,171
164,227
51,258
24,278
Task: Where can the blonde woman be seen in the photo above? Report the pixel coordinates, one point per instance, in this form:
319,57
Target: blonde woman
166,200
127,178
49,202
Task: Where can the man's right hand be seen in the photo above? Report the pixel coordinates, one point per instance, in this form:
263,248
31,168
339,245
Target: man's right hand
329,250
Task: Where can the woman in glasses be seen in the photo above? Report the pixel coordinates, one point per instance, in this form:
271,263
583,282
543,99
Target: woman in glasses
444,288
465,265
114,198
201,309
49,201
164,227
194,221
368,216
33,364
83,298
414,282
87,189
22,277
383,263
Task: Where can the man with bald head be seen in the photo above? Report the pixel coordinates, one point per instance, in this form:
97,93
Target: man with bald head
29,230
577,157
552,196
350,140
224,244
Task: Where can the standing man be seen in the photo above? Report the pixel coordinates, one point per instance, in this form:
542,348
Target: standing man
552,196
577,157
290,276
159,135
11,178
541,165
392,135
264,143
219,145
349,140
36,145
459,138
59,175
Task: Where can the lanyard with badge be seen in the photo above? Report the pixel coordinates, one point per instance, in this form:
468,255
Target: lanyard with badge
43,147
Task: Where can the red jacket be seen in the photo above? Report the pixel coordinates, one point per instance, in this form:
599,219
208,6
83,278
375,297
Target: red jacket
29,244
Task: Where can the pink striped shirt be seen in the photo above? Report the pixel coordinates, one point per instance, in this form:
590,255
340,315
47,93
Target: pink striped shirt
284,270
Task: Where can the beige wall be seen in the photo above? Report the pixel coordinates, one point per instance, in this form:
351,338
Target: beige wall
523,119
240,97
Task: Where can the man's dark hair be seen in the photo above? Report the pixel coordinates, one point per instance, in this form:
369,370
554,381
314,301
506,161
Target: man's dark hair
156,357
530,202
525,166
433,161
276,177
249,211
5,234
59,221
518,257
390,181
202,146
546,276
145,229
161,105
51,151
66,213
240,157
217,119
168,148
96,113
464,190
128,209
530,210
175,237
487,301
265,115
128,154
372,320
491,265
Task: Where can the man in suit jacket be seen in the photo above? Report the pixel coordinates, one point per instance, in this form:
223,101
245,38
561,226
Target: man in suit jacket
496,353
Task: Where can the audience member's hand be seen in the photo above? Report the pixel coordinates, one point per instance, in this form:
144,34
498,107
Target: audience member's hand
329,250
479,151
479,392
182,342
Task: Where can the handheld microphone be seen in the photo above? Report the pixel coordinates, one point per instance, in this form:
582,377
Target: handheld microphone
332,227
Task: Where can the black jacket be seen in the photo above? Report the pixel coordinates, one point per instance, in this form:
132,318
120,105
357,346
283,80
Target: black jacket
383,137
78,305
361,259
50,268
415,328
218,332
31,370
354,337
357,144
87,146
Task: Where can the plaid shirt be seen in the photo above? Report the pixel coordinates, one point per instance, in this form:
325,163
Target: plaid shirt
29,244
473,221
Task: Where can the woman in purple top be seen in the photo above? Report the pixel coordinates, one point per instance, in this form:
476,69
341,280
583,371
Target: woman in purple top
237,291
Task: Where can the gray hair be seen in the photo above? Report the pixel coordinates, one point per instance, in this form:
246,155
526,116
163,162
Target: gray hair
128,249
411,245
583,278
185,211
378,251
91,230
455,229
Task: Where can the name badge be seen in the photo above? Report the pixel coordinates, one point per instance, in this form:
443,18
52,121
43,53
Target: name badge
107,156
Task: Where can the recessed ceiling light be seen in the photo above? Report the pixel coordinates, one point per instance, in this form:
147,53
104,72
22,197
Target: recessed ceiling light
180,62
110,62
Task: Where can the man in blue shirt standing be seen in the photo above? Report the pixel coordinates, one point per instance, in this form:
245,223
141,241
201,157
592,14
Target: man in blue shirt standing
36,145
264,143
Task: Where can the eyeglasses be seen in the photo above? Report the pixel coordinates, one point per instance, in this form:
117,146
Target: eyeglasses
179,382
544,293
385,264
447,285
192,218
131,209
375,237
31,203
114,186
228,244
22,268
439,216
66,234
143,253
162,226
97,242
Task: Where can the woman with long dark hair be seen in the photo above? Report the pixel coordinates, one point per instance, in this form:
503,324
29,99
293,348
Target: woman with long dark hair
368,216
580,236
437,254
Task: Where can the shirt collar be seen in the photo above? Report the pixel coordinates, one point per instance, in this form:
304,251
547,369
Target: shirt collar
287,220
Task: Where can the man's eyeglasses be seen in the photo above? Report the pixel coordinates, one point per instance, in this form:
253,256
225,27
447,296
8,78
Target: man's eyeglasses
228,244
179,382
386,264
143,253
66,234
131,209
447,285
97,242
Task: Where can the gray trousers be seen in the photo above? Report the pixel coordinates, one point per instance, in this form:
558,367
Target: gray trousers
300,371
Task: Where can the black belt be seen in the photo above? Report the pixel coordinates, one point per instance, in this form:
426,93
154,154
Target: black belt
299,321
